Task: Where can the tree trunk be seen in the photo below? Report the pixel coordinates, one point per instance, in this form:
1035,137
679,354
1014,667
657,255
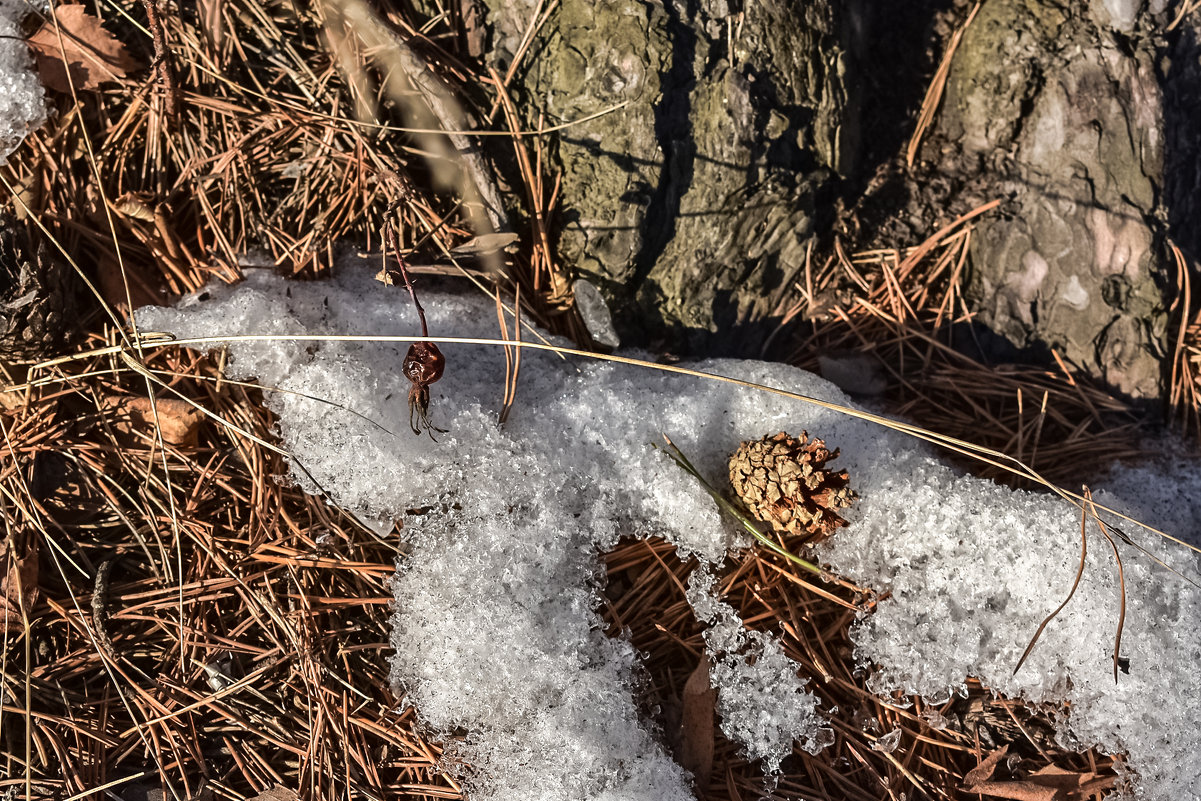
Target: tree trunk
692,205
1056,108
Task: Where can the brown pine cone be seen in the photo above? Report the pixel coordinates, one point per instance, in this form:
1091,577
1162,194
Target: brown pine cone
37,297
784,481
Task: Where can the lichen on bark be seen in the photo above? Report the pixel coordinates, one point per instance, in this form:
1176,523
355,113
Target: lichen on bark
1050,108
692,205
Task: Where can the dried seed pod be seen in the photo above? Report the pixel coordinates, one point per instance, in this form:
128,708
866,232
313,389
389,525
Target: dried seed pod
423,365
784,481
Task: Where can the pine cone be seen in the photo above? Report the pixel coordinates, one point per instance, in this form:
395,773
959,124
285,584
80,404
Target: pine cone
37,297
785,482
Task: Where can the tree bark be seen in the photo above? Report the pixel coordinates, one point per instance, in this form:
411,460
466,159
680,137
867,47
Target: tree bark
693,204
1057,109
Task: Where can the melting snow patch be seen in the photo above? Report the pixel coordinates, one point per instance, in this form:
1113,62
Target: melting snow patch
496,628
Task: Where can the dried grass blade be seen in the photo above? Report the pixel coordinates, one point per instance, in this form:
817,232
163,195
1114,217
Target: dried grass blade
1184,292
508,350
1117,641
1185,9
1075,585
511,390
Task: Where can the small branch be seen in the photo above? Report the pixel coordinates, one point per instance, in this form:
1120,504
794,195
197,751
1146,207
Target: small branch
162,59
100,609
395,55
394,244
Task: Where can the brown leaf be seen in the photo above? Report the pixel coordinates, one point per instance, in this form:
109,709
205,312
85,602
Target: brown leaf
699,706
1017,791
983,772
18,581
389,277
277,793
85,55
113,280
485,243
178,419
135,205
1066,780
1049,783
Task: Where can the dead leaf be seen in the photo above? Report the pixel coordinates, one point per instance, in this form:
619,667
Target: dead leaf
178,419
1017,791
389,276
561,296
1049,783
984,771
85,55
114,278
277,793
18,582
699,705
135,205
485,243
1066,780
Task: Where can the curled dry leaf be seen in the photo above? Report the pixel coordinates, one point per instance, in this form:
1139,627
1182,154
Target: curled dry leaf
277,793
1049,783
19,580
85,55
178,419
984,771
561,297
136,205
1017,791
485,243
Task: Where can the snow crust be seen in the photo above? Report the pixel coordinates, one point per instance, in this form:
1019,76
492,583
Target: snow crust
22,108
496,629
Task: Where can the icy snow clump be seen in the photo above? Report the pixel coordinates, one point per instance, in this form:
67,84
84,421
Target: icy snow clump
21,99
496,627
760,699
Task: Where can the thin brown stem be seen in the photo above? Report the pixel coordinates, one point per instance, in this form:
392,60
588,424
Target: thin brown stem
162,59
393,242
